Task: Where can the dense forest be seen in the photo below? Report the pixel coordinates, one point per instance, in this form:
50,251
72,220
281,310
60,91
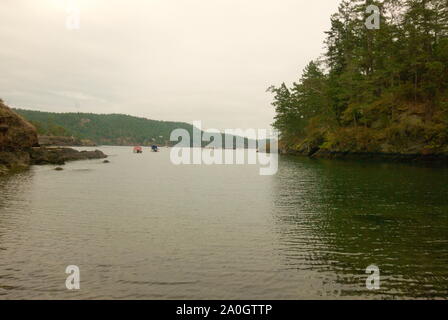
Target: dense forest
107,129
381,90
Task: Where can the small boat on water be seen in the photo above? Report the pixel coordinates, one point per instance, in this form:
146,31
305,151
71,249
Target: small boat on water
138,149
155,148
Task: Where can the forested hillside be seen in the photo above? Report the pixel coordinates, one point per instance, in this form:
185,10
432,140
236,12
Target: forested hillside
374,90
107,129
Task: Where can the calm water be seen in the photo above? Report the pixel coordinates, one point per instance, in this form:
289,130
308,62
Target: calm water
142,228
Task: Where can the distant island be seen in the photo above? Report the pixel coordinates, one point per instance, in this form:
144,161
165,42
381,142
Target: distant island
87,129
103,129
375,92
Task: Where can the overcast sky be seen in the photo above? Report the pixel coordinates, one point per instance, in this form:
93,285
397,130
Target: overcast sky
180,60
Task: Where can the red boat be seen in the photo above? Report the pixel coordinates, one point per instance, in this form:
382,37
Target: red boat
138,149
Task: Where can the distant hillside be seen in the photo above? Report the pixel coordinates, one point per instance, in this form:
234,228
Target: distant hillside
104,129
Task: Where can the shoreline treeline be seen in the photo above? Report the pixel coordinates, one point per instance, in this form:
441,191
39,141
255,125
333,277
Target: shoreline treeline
374,90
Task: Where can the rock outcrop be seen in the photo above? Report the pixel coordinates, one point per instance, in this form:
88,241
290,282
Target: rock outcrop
19,145
59,156
15,132
17,137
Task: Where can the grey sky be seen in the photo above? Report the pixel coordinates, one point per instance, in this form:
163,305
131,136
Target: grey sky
181,60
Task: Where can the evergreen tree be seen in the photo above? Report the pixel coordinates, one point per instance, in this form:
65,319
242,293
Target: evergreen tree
386,85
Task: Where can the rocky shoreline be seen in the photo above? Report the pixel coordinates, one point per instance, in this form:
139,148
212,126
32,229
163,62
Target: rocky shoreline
13,161
437,159
19,160
59,156
20,148
65,141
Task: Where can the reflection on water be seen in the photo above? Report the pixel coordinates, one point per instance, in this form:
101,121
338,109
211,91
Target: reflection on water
142,228
340,217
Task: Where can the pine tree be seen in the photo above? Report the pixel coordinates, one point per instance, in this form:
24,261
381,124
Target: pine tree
374,79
